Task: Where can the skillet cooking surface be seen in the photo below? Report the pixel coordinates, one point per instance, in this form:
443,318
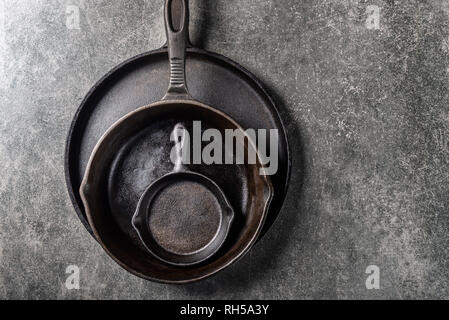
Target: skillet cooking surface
146,157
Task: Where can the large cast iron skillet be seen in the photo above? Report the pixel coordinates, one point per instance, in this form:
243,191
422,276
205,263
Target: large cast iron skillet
211,78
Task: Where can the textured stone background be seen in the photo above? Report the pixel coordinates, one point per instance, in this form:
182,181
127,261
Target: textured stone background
367,112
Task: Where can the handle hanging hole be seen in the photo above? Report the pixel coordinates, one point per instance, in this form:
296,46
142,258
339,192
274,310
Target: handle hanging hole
176,16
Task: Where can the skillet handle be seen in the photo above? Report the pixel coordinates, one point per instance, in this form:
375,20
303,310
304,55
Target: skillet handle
177,29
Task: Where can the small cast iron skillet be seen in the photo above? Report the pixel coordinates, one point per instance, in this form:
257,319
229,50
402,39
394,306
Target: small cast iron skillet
177,102
184,217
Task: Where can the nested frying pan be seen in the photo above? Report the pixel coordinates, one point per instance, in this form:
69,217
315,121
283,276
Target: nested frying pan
176,107
184,217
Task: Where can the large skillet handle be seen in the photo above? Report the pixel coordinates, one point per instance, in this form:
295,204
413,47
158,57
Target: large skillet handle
177,29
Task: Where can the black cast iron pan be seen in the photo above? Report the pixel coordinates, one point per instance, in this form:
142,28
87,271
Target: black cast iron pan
211,78
111,224
183,219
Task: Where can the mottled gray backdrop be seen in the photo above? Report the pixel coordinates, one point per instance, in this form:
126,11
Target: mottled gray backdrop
366,106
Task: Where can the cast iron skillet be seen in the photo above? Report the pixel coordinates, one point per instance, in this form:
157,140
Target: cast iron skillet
176,106
212,78
184,217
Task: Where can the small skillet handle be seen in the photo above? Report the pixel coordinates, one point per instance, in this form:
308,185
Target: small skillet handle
177,29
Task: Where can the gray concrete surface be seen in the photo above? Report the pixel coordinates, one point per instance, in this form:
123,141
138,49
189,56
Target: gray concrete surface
367,112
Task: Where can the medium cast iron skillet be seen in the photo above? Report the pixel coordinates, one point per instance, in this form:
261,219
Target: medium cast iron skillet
176,107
